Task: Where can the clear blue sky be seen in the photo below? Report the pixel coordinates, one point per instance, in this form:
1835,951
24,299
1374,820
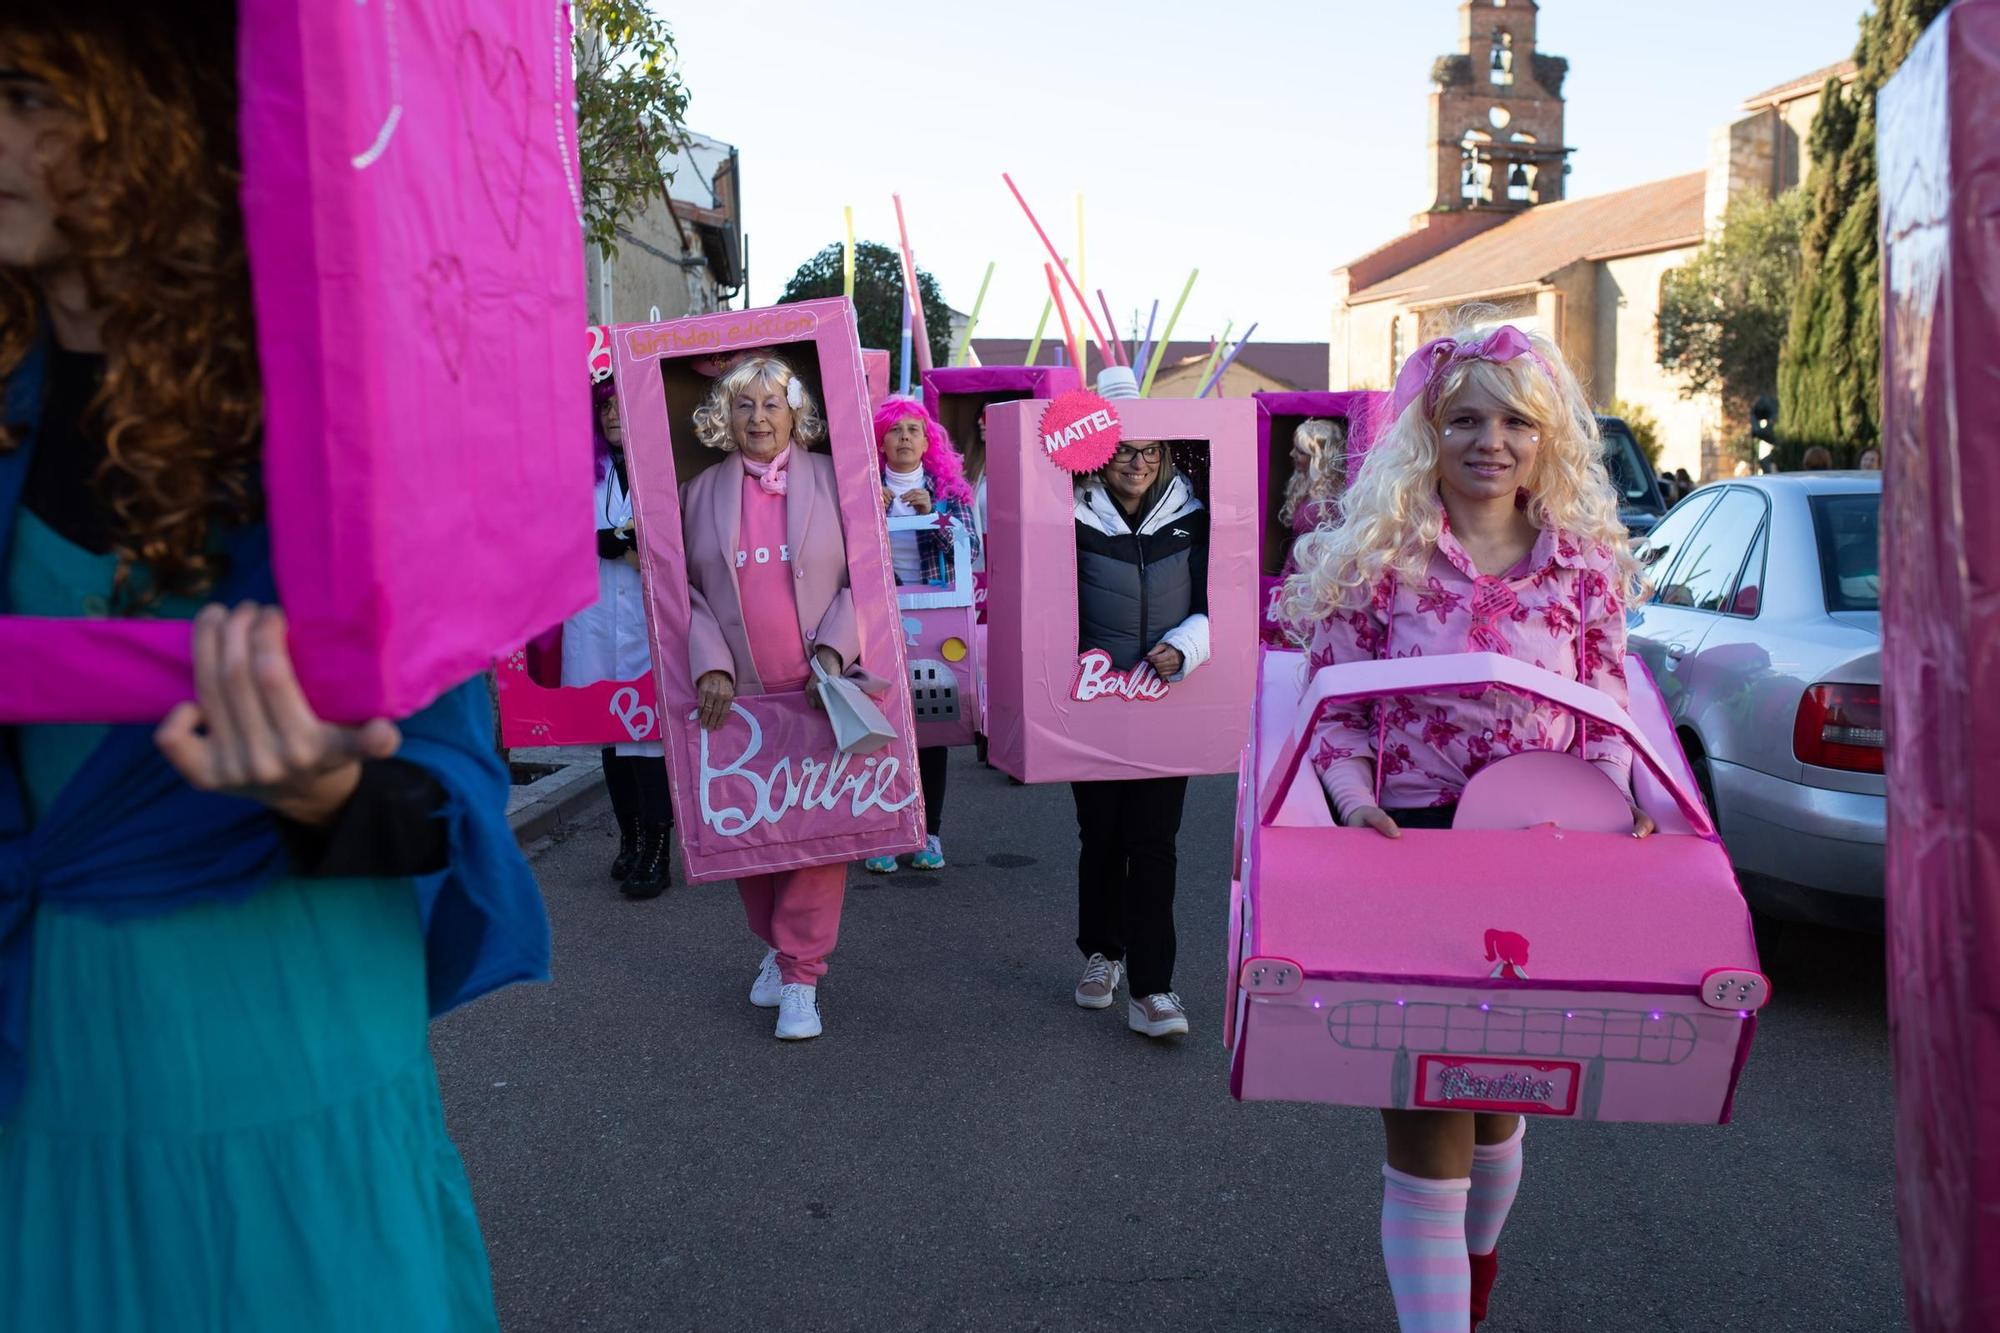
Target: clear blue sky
1267,141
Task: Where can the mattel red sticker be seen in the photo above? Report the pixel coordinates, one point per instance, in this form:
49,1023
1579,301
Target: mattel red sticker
1079,431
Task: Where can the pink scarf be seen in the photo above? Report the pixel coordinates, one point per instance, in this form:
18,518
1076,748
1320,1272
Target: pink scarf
772,476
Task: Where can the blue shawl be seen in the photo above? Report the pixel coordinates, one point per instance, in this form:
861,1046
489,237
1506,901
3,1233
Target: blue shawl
128,837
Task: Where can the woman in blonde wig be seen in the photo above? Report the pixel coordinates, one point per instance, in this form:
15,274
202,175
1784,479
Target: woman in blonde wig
1319,474
768,591
1483,522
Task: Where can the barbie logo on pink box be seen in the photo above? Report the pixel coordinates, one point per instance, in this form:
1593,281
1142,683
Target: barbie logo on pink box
1511,1087
1096,678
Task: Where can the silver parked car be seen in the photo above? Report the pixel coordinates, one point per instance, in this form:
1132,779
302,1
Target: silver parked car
1764,631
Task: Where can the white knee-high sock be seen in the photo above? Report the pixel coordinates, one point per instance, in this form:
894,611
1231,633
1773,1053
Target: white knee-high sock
1496,1178
1423,1245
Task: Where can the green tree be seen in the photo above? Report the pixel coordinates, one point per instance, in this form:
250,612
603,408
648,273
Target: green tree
629,107
1723,314
878,300
1644,426
1830,377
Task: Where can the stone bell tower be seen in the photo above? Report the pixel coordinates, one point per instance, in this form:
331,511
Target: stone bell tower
1497,114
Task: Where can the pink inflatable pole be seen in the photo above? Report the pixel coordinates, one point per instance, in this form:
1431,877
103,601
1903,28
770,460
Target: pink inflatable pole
1116,347
1075,290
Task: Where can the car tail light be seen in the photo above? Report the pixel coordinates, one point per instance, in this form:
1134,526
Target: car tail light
1840,726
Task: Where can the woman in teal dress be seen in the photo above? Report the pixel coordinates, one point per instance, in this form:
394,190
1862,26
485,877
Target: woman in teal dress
220,940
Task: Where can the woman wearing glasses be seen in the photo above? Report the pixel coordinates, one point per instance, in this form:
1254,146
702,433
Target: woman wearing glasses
1142,598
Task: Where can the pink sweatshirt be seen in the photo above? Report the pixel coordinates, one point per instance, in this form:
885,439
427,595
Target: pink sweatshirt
1429,746
764,581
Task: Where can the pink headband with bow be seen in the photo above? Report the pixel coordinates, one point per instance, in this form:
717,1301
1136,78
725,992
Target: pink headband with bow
1426,367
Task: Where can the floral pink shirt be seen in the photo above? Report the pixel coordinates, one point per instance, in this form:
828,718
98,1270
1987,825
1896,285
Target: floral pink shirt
1431,746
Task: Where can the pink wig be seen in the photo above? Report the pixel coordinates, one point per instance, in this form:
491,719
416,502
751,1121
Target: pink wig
941,461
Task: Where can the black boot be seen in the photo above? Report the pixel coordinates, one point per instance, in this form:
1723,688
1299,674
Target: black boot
628,846
650,869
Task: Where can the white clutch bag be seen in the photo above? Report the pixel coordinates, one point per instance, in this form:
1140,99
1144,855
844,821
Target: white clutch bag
858,725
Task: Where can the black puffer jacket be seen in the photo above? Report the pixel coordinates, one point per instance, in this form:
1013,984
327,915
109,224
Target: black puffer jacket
1138,589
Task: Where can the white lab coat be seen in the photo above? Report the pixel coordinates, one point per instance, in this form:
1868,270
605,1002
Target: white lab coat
607,639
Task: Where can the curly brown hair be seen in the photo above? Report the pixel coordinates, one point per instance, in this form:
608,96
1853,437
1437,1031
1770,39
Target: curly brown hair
148,217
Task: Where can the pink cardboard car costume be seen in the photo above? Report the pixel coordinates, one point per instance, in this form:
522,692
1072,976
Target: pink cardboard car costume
769,791
1058,717
1278,415
1451,970
411,208
942,640
545,712
1939,158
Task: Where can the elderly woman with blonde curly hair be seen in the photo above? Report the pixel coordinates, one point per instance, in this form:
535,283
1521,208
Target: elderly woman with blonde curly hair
768,592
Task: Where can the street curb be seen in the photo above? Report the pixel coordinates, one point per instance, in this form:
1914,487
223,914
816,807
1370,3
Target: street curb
538,809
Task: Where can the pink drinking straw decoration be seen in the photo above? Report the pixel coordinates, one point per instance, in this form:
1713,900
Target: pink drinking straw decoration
1046,245
1146,351
1069,334
1117,345
917,331
1216,377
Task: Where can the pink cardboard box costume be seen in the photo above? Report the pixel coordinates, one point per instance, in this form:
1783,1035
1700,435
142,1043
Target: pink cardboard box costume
606,712
1278,416
1538,970
1939,160
1038,728
411,211
941,638
769,791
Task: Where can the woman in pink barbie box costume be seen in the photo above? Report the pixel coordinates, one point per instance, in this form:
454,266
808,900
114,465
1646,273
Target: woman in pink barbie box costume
1482,521
1142,541
922,473
767,586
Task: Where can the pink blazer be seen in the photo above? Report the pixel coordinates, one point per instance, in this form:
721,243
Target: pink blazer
712,522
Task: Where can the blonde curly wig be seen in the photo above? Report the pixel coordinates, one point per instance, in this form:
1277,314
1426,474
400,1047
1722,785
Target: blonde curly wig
757,374
1324,440
1393,515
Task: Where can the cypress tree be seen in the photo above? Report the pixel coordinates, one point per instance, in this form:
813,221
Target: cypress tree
1830,376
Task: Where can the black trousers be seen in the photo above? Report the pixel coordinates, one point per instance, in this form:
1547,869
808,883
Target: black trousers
932,762
1125,875
638,786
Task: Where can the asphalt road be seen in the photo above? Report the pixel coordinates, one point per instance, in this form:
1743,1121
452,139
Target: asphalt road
965,1149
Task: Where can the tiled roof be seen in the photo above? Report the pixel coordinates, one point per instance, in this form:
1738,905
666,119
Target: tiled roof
1302,365
1805,83
1523,252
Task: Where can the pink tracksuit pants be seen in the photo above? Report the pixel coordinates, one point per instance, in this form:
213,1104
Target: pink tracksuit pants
797,912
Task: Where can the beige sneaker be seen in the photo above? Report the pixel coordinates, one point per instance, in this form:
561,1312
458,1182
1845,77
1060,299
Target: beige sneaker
1099,984
1157,1015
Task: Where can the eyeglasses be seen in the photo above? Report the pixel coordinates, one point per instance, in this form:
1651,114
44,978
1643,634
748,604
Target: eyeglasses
1125,453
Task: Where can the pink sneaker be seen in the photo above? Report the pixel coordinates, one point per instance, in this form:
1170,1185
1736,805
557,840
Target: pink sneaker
1099,984
1157,1015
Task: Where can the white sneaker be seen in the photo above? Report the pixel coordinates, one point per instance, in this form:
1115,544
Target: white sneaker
798,1011
1100,983
764,990
1157,1015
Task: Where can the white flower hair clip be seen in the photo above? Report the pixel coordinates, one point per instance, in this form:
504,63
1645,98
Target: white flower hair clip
795,393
